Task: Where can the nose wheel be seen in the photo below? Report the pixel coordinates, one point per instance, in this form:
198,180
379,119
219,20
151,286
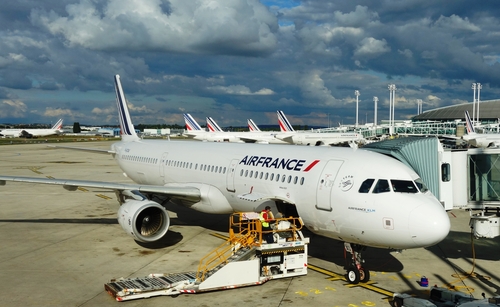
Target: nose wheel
355,272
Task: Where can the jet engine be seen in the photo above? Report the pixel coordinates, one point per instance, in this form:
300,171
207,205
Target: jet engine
144,220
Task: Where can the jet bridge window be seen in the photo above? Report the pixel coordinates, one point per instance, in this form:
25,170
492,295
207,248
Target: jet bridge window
382,186
366,186
403,186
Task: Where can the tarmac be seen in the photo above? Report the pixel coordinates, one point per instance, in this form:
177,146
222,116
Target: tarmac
59,248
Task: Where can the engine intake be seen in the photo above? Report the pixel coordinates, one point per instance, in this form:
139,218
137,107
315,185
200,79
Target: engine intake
144,220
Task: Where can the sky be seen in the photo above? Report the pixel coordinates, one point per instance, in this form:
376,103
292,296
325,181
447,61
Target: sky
239,59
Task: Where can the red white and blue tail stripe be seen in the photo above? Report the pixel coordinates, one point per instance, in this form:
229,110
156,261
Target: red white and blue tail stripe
58,125
191,123
127,129
212,125
252,126
285,125
468,123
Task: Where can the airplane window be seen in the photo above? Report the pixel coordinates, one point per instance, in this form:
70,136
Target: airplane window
295,180
382,186
216,169
421,185
191,165
212,169
224,170
241,173
277,177
205,167
403,186
289,179
366,185
261,174
256,174
251,174
246,173
196,166
267,175
302,179
272,177
283,178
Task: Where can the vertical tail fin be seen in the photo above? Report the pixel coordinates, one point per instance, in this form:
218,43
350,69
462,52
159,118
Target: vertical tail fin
285,125
252,126
191,123
58,125
127,129
212,125
468,123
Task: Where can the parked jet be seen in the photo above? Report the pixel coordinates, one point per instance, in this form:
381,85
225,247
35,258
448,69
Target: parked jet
360,197
315,138
195,131
252,127
486,140
29,133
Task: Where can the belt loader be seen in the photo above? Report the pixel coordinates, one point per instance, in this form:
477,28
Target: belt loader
243,260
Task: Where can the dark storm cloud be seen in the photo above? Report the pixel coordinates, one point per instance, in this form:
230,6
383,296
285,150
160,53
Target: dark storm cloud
244,58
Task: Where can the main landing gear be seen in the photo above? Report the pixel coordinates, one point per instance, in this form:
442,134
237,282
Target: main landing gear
355,271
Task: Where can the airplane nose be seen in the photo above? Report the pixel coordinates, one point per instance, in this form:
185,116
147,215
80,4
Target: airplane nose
429,225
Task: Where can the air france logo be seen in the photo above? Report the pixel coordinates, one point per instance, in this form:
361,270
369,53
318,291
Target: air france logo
278,163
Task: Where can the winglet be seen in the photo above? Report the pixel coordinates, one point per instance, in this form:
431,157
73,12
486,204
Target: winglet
468,123
252,126
191,123
212,125
285,125
127,129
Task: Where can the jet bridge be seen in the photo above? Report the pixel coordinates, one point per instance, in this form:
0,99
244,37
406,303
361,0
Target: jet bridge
460,179
243,260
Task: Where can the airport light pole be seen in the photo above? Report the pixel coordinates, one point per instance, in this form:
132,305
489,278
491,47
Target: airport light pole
356,93
419,106
375,100
474,87
479,87
392,102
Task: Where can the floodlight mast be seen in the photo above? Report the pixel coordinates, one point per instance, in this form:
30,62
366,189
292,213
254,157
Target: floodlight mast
419,106
392,102
474,87
356,93
375,100
479,87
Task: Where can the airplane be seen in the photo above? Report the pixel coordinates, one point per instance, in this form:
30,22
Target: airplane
360,197
195,131
486,140
252,127
212,125
291,136
30,133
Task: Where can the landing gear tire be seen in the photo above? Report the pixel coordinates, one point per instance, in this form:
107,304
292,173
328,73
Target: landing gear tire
353,275
364,275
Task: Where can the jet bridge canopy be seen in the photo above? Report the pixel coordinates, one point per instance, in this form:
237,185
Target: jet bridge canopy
419,153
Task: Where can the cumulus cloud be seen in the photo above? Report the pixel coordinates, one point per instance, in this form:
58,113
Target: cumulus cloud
51,112
12,108
371,47
203,26
455,22
239,90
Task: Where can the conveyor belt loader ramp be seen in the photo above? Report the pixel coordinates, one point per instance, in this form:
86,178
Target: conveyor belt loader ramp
243,260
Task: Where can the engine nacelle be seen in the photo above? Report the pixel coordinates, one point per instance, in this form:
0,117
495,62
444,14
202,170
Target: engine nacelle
144,220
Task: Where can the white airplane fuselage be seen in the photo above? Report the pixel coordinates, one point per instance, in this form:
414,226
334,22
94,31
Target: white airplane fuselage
326,138
322,182
237,137
34,132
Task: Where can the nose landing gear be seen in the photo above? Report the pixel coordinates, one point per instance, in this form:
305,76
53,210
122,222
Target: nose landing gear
355,272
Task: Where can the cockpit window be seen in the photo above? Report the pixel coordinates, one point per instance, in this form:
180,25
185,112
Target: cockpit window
421,185
403,186
382,186
366,186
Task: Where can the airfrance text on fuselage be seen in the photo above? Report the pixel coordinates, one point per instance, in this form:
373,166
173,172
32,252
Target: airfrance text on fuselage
278,163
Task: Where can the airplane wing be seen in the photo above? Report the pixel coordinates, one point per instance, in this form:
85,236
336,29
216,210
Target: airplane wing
101,151
178,192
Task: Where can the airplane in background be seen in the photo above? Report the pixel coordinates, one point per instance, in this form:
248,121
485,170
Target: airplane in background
33,133
212,125
216,134
486,140
291,136
338,192
252,127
